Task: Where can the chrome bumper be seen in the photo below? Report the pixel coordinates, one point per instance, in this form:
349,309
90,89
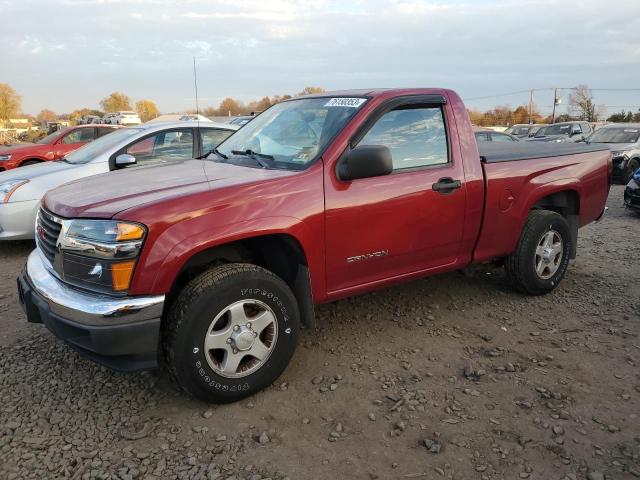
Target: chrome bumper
85,308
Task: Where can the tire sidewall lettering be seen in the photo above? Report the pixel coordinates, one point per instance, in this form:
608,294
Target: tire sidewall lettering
203,371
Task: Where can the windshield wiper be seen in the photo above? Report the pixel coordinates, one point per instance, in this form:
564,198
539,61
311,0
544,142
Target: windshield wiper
258,157
216,151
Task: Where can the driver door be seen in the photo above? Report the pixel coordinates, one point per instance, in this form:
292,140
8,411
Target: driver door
381,228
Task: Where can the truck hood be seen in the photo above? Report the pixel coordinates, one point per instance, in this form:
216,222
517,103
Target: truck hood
106,195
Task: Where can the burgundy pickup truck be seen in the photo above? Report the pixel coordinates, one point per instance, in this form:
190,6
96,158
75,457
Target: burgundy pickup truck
211,266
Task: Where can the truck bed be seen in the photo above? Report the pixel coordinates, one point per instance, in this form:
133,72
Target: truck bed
517,176
509,151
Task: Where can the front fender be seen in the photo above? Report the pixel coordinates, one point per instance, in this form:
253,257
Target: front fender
164,259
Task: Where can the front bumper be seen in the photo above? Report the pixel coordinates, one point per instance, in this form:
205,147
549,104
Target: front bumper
632,195
121,333
17,219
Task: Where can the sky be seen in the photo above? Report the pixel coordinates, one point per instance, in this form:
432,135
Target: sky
69,54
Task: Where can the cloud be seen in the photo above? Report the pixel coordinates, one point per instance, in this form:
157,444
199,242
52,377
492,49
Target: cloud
32,44
255,47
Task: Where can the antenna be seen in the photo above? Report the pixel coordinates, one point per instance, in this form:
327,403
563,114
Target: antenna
195,84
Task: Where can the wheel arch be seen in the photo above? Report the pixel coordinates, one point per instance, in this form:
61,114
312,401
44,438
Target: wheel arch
31,159
566,203
280,253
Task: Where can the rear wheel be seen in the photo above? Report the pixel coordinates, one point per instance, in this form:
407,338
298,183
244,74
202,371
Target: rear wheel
541,258
231,332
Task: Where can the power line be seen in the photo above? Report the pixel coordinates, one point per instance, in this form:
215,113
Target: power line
519,92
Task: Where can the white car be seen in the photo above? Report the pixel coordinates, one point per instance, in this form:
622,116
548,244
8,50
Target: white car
108,118
194,117
126,118
22,189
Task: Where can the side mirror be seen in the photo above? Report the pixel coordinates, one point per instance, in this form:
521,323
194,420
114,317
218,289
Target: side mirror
365,161
124,160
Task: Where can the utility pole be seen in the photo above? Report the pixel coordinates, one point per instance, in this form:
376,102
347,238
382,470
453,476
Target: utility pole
555,102
530,107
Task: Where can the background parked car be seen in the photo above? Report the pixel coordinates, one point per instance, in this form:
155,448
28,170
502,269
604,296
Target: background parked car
52,147
154,143
624,142
563,132
124,118
106,119
632,192
523,130
487,135
241,120
89,119
194,117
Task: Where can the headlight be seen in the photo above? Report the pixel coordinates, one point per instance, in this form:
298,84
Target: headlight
4,157
636,176
9,187
100,255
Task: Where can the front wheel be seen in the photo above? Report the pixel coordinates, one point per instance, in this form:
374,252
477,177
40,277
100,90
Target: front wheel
541,258
231,332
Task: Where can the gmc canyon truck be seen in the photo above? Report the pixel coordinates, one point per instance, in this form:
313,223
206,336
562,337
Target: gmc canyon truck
211,267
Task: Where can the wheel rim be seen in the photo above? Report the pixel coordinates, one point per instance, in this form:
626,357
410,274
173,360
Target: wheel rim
241,338
548,254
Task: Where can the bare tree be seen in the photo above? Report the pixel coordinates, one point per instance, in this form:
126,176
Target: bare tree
582,105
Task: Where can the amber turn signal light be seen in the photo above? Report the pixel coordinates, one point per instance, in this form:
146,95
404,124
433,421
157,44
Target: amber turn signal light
121,274
128,231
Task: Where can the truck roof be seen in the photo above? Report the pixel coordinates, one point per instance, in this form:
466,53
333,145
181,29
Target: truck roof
369,92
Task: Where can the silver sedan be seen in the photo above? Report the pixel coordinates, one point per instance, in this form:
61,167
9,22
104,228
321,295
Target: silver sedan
22,189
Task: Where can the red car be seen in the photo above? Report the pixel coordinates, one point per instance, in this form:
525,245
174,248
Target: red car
211,267
52,147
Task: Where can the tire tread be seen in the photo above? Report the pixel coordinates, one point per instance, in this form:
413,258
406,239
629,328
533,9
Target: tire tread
177,312
515,263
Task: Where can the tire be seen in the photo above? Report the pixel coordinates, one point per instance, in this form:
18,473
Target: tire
527,268
30,162
202,313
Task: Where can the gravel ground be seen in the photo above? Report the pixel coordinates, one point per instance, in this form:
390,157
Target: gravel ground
449,377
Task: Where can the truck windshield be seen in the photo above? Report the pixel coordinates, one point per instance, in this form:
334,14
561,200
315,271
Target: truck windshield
291,134
98,147
615,135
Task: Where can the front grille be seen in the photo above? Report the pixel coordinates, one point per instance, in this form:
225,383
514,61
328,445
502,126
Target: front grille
47,232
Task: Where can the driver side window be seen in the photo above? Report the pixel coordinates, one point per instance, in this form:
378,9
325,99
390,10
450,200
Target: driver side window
80,135
163,146
416,136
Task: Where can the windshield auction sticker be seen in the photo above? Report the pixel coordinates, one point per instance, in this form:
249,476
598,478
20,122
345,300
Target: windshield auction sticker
345,102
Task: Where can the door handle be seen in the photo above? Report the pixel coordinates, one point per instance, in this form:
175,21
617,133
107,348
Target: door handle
446,185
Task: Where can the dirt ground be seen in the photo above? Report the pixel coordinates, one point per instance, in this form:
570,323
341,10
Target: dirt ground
454,376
